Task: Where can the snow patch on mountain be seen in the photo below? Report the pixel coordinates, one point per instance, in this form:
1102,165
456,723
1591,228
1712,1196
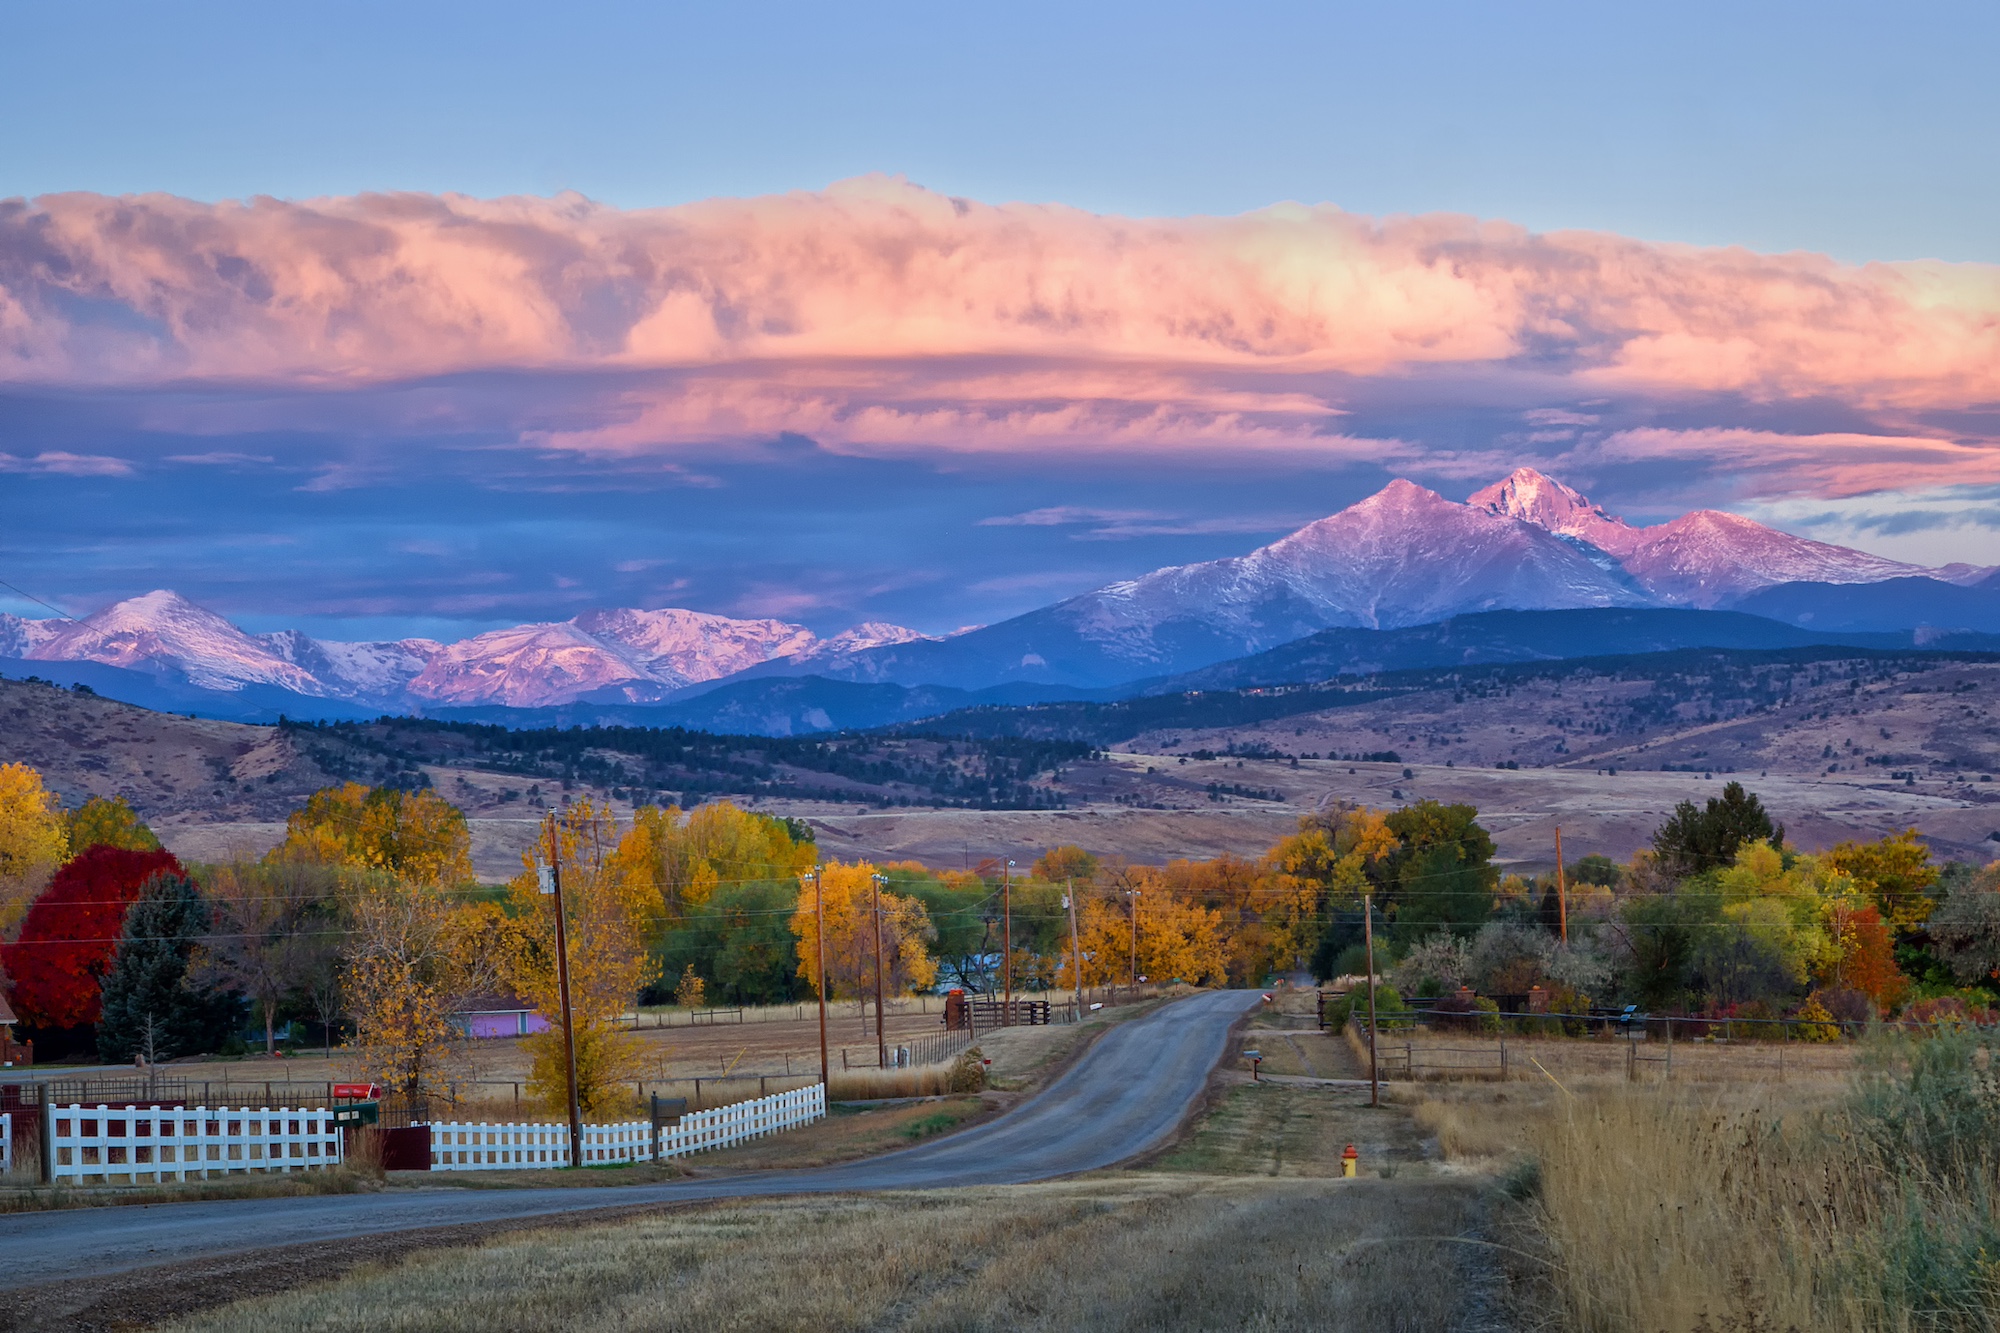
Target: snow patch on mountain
1705,559
362,671
676,647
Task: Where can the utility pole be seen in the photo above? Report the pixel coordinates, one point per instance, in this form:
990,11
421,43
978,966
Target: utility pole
1007,940
1368,933
819,942
554,886
1075,949
1562,887
1133,894
881,1042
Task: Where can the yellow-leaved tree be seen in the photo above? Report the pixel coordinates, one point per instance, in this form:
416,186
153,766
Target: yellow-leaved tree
99,822
679,858
906,933
413,961
34,840
605,918
418,837
1144,911
1895,871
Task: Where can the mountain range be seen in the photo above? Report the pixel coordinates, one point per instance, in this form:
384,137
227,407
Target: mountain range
1404,557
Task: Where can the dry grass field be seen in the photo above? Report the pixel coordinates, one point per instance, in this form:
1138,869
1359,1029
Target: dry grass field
1140,1252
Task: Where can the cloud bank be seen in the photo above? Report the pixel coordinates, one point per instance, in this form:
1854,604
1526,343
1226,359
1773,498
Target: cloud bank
877,312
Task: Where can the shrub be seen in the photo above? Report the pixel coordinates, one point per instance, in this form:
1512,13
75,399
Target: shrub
1467,1013
1846,1004
1388,1004
1437,964
1815,1023
968,1072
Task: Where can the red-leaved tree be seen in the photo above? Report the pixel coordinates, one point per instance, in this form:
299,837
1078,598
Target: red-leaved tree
1867,960
71,929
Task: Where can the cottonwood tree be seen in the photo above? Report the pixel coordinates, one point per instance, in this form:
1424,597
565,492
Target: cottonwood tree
680,858
850,902
34,840
417,837
1966,928
99,822
414,959
605,921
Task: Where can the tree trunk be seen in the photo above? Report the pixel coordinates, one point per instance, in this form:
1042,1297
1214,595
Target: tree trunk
270,1027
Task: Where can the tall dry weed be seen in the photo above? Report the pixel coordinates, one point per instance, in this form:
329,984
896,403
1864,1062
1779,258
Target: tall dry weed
1690,1212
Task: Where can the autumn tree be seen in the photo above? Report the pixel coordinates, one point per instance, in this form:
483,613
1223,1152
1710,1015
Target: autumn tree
69,933
1895,871
906,934
1177,938
34,840
1066,863
605,910
413,961
1864,955
417,837
156,1000
1104,935
99,822
680,858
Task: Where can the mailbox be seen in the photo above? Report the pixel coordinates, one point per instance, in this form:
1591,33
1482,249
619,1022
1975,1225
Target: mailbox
357,1113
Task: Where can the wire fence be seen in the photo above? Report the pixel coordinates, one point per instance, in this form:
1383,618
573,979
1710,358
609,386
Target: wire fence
1446,1046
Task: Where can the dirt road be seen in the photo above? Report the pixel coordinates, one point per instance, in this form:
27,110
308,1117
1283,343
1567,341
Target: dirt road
1125,1096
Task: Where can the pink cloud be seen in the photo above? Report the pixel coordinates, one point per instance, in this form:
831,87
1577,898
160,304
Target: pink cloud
1833,465
876,316
380,287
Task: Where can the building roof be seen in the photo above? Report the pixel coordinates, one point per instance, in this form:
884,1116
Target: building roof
6,1012
495,1002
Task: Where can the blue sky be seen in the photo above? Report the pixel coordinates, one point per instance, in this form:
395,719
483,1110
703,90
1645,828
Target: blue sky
434,501
1864,131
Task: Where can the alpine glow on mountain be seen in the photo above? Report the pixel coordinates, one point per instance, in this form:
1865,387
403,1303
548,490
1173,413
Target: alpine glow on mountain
1405,556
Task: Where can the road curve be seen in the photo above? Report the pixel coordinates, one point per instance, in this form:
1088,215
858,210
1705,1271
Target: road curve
1125,1096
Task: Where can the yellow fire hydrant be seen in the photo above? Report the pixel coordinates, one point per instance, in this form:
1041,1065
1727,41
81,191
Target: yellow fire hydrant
1350,1162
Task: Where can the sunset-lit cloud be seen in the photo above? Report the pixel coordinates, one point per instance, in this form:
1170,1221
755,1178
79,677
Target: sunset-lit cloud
879,313
882,400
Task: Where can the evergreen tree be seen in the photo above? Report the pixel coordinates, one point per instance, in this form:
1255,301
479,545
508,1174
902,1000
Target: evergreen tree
1694,840
152,1003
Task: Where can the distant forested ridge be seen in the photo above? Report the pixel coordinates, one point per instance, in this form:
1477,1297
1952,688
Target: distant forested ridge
674,765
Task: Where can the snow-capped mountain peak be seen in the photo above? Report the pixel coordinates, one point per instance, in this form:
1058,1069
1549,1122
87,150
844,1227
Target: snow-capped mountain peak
162,628
1705,558
1534,498
678,647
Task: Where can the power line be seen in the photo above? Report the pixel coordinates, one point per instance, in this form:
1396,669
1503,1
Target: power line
39,602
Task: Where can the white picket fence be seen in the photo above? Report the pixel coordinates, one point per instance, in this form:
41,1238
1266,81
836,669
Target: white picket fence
136,1145
6,1142
459,1146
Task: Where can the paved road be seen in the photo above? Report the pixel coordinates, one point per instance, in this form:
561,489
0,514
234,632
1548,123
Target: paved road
1127,1095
